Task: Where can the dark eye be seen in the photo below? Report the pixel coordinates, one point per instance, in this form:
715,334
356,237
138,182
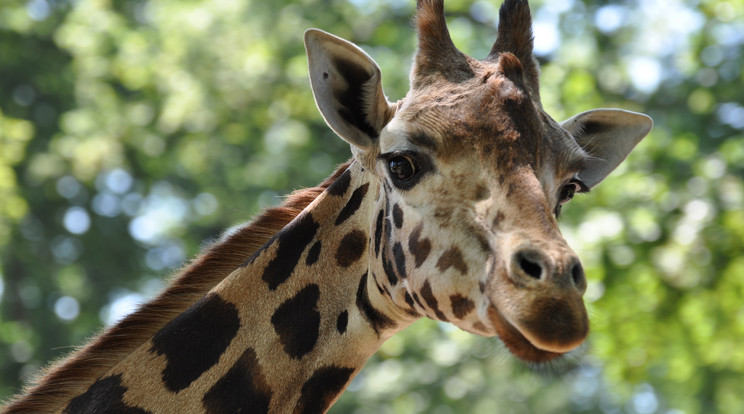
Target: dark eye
406,168
567,192
402,168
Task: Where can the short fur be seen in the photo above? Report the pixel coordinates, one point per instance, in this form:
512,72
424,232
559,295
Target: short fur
74,374
448,211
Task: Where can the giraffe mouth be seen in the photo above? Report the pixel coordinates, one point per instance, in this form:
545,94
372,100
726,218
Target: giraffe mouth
517,342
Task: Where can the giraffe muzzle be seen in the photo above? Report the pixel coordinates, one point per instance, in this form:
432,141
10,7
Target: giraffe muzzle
537,295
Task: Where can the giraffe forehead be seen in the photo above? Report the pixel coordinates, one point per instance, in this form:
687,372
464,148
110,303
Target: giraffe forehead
487,113
492,124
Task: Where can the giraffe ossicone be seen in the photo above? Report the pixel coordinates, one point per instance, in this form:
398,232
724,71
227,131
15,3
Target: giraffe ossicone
448,209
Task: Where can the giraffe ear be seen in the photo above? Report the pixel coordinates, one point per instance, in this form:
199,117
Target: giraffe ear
347,86
608,135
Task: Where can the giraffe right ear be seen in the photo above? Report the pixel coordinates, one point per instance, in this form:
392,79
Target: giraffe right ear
347,87
608,136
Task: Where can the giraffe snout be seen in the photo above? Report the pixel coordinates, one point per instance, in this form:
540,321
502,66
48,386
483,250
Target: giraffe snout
537,291
531,266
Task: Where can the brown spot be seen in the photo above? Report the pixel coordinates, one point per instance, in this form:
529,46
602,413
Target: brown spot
400,260
188,356
105,395
461,305
313,254
297,322
353,204
419,248
292,242
478,326
431,301
243,389
341,184
397,216
378,233
342,321
376,318
381,287
442,212
409,300
417,300
498,219
351,248
482,192
387,266
452,258
322,389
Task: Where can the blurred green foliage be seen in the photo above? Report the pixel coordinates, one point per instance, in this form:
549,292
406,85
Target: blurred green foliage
131,131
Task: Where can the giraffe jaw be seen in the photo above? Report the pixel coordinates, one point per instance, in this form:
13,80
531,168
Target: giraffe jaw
516,342
525,341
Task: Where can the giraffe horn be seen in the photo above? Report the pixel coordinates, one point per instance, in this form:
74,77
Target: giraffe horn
437,54
515,37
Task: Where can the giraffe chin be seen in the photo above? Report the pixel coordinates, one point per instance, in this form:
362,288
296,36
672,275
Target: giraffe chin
517,343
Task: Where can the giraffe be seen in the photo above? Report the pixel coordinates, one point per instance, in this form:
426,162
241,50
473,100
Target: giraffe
447,209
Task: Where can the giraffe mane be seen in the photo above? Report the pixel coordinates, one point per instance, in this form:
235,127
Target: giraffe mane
72,374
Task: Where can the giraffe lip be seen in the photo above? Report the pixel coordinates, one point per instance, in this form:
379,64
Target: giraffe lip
517,342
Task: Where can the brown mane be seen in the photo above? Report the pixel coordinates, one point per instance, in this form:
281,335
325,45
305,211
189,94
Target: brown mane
74,373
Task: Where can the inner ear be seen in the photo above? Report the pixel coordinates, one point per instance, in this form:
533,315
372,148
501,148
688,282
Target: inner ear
608,136
347,86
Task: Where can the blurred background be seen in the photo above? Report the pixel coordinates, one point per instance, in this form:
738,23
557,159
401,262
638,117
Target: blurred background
132,132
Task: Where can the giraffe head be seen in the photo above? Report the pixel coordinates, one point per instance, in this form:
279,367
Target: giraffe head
472,175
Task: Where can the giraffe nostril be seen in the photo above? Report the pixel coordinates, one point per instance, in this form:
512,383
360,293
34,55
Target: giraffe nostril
577,275
529,266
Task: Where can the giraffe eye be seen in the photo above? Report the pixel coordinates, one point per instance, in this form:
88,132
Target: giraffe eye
406,168
402,169
567,192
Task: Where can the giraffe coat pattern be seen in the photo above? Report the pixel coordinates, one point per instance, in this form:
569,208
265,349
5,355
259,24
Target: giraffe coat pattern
104,396
194,341
448,209
242,390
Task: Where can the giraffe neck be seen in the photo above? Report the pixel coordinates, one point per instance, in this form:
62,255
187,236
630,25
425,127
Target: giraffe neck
286,332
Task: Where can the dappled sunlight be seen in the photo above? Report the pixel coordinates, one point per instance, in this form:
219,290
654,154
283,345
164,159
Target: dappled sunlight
67,308
133,133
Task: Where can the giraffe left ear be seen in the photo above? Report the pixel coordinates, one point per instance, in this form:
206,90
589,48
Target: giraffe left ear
608,135
347,87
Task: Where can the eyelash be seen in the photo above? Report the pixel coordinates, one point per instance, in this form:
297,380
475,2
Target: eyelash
419,163
563,198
